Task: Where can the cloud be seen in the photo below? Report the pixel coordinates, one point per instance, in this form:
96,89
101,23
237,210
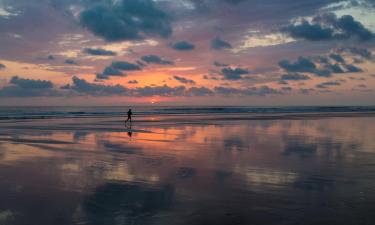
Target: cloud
218,64
30,83
183,46
303,65
70,62
220,44
164,91
108,72
253,91
328,84
199,91
362,52
123,65
21,87
2,66
328,27
294,76
153,59
334,68
233,74
99,52
352,69
184,80
337,58
81,86
132,82
126,20
51,57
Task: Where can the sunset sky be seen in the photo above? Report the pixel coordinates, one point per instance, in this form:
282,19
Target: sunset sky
188,52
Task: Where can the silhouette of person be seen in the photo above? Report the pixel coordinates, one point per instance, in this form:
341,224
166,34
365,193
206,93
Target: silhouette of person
130,113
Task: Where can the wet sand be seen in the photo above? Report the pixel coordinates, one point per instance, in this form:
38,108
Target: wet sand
189,169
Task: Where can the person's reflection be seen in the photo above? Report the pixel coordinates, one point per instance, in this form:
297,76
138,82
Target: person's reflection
130,133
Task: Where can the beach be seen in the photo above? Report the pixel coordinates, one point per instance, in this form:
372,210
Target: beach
225,168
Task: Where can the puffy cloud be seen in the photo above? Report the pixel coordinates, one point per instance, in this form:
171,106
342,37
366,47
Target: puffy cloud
337,58
70,62
219,44
164,91
184,80
218,64
253,91
81,86
362,52
154,59
303,65
99,52
199,91
21,87
132,82
295,76
126,20
352,69
30,83
328,84
328,27
335,68
2,66
183,46
108,72
123,65
233,74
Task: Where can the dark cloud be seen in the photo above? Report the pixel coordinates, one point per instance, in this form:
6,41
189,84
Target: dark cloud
357,78
303,65
337,58
184,80
328,84
51,57
199,91
154,59
295,76
2,66
253,91
306,91
218,64
183,46
334,68
99,52
21,87
126,20
81,86
352,69
164,91
328,27
108,72
123,65
30,83
219,44
362,52
70,62
132,82
233,74
286,88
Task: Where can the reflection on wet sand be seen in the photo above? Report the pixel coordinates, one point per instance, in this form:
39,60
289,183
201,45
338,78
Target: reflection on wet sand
317,171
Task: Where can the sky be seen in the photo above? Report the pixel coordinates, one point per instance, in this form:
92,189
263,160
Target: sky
187,52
